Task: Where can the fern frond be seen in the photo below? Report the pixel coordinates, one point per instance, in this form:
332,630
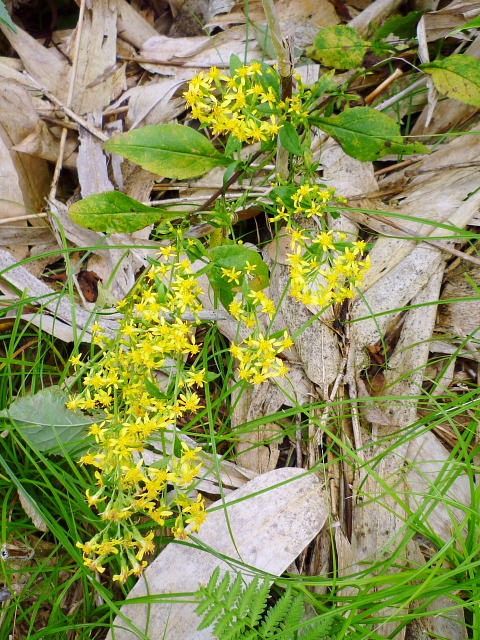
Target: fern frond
317,631
211,616
223,623
244,602
222,587
212,583
203,606
255,601
234,593
294,615
276,615
237,631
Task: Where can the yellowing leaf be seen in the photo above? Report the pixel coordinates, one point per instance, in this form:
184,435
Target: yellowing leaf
367,134
339,47
458,77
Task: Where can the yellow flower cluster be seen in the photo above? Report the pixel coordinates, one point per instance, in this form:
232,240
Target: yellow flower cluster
123,387
324,267
308,200
258,357
231,105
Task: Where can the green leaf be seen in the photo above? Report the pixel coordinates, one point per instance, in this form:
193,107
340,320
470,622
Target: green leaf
339,47
114,212
457,76
46,423
153,390
404,27
470,25
235,256
324,83
235,64
170,150
367,134
283,195
5,17
290,139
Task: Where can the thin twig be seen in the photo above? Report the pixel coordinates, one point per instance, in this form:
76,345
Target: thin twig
219,192
445,167
71,89
388,103
416,236
76,118
383,85
194,199
392,167
57,122
30,216
171,63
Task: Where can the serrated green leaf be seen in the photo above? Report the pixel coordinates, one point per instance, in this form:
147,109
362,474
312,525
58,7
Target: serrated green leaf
5,17
367,134
290,139
404,27
170,150
235,256
46,423
115,212
340,47
457,76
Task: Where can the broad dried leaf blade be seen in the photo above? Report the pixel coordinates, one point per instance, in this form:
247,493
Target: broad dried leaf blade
269,530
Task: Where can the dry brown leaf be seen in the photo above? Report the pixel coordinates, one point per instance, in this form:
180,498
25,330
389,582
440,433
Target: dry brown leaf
95,85
18,119
205,52
31,511
440,23
269,530
47,66
42,143
463,315
322,12
92,163
132,27
152,103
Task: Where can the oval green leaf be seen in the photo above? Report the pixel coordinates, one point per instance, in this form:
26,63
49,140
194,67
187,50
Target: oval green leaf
290,139
339,47
114,212
170,150
367,134
46,423
457,76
